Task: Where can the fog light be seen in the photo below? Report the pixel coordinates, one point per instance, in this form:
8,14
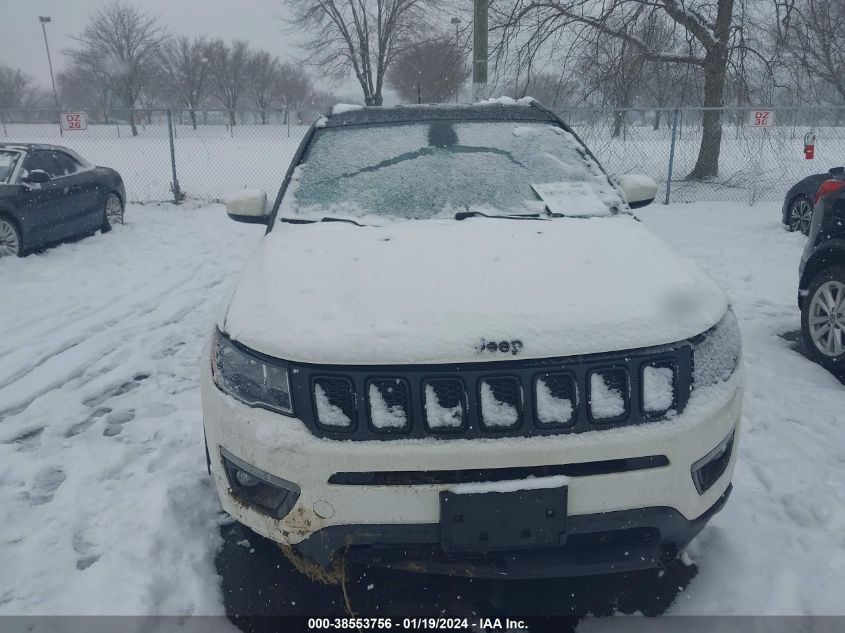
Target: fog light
709,468
264,492
246,479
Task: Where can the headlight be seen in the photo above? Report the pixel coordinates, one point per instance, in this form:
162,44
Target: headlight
248,377
716,352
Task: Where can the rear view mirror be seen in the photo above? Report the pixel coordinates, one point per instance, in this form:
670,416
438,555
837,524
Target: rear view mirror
36,177
248,205
639,190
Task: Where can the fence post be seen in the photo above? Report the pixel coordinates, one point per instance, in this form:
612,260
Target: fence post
671,156
174,185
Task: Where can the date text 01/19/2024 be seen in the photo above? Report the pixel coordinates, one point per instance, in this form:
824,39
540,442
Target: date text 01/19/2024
415,624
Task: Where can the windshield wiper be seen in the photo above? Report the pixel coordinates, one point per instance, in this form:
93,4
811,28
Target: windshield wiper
463,215
323,219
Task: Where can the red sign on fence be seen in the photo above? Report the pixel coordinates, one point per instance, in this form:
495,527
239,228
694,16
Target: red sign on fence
761,118
74,121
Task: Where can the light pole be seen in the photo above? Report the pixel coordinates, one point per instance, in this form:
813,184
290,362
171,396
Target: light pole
44,19
479,50
457,21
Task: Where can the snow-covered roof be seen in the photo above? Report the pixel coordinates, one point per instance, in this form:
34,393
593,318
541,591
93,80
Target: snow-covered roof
504,108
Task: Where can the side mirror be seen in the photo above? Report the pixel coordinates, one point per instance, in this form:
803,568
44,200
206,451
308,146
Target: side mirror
639,191
248,205
36,177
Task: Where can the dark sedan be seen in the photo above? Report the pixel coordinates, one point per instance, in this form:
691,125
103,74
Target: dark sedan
821,287
797,211
50,193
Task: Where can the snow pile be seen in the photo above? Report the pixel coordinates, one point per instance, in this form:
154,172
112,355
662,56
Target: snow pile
438,416
658,388
511,485
524,101
550,409
340,108
495,412
382,415
327,413
247,202
605,401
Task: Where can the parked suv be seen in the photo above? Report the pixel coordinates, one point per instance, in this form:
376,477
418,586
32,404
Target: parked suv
821,286
457,351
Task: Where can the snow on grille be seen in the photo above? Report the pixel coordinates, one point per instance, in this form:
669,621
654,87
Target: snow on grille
327,413
495,412
606,398
439,416
552,409
658,389
382,414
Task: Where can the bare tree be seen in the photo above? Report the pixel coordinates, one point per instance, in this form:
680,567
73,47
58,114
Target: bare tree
263,71
185,66
14,86
229,73
813,32
295,91
430,71
79,88
120,45
709,26
361,36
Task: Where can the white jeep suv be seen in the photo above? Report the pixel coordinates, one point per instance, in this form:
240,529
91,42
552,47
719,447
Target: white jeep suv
457,351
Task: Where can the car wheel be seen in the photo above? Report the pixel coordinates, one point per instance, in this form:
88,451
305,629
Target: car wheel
799,215
112,212
823,319
10,239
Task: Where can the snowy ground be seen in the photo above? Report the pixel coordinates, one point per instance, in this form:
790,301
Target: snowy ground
106,504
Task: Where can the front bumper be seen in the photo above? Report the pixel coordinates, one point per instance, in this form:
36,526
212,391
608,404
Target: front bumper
646,512
604,543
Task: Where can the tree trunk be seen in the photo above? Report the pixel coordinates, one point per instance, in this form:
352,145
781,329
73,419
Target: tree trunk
231,118
618,122
657,114
707,164
264,117
132,125
193,114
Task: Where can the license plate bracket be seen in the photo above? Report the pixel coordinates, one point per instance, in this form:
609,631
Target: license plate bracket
500,521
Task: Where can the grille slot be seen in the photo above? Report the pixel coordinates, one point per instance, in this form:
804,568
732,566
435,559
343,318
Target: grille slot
501,403
609,395
556,400
334,403
389,401
658,388
445,405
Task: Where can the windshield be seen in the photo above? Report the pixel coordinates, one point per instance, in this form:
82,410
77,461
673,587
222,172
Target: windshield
440,168
8,160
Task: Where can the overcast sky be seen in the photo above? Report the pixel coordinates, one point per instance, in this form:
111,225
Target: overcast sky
256,21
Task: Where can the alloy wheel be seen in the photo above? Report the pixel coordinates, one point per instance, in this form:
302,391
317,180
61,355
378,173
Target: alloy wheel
10,245
800,216
114,209
827,318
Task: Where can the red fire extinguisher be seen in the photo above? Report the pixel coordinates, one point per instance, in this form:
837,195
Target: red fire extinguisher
809,145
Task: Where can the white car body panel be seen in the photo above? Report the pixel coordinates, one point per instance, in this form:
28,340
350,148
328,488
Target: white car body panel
430,291
284,447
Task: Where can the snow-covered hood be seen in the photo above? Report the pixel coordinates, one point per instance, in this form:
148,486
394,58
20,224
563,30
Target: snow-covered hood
441,291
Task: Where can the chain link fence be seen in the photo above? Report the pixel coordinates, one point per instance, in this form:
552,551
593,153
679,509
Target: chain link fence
207,156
